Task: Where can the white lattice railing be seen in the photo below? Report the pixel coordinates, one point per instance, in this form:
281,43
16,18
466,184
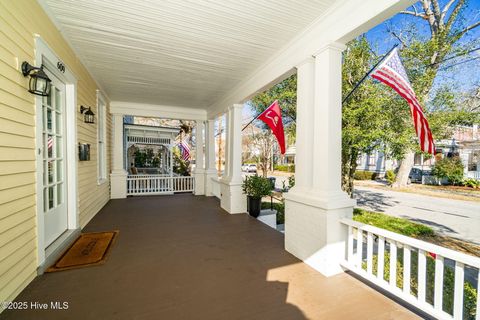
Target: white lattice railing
473,174
216,187
158,184
428,269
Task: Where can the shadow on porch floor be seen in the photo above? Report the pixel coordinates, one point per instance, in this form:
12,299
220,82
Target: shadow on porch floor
183,257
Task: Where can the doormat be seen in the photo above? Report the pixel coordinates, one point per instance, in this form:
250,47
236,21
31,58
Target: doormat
88,250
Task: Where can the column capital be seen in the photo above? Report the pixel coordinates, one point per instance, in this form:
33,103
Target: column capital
235,106
304,62
335,46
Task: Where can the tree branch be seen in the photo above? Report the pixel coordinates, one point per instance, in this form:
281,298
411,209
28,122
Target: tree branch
454,14
415,14
470,27
446,8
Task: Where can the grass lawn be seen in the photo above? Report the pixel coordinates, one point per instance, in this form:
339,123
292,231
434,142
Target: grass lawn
414,230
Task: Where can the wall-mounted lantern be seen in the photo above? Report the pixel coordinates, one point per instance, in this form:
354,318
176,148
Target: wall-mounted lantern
39,83
88,115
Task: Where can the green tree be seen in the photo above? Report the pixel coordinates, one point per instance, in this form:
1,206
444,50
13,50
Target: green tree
449,168
423,57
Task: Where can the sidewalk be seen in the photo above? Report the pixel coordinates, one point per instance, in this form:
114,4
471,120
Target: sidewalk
446,192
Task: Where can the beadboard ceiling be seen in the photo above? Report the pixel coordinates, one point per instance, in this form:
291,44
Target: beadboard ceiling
179,52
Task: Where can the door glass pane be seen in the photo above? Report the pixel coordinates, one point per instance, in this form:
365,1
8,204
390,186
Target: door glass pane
50,197
58,123
45,199
58,104
49,99
60,194
60,171
44,172
49,120
59,153
50,146
50,171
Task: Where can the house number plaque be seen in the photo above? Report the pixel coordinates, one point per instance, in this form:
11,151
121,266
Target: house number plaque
61,66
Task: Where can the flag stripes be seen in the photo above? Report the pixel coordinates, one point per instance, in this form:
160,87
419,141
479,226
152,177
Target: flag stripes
392,73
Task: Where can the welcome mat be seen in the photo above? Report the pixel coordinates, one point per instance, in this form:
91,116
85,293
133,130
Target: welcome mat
88,250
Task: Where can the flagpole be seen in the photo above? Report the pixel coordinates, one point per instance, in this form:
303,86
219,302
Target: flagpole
368,73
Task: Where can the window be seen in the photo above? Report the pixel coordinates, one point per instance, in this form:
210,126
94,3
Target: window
371,159
101,138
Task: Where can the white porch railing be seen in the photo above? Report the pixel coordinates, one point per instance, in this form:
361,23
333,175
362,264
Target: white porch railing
473,174
427,269
216,187
158,184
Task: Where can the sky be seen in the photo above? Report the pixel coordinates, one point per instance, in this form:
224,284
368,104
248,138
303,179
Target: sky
464,76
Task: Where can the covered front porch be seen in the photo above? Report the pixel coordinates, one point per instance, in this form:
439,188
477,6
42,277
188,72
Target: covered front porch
183,257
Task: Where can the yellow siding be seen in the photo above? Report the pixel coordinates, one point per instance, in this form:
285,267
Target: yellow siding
20,20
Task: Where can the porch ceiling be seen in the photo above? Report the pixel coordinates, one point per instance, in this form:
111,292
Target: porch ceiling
181,53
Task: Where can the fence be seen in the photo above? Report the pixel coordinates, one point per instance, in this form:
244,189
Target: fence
435,279
158,184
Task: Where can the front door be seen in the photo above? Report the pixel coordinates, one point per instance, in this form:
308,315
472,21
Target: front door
52,161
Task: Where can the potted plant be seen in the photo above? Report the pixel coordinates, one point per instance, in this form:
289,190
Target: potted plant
256,187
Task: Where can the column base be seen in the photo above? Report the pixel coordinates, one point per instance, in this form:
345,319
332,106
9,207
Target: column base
209,174
232,198
118,184
199,175
313,232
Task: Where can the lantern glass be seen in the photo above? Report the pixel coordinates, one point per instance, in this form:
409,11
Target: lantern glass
39,83
89,116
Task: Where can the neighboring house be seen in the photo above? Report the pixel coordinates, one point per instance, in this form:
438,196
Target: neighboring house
465,143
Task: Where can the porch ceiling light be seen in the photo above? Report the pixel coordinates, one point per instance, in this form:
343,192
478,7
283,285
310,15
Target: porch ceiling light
88,115
39,83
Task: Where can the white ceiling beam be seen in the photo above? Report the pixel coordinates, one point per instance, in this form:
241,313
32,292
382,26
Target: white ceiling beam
157,111
341,23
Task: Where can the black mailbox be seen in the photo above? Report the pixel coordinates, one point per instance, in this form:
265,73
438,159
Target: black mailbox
84,152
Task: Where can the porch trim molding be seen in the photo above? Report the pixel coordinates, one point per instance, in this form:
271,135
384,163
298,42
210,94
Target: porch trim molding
158,111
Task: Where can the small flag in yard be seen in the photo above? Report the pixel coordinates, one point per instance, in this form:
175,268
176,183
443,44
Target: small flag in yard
184,149
392,73
272,116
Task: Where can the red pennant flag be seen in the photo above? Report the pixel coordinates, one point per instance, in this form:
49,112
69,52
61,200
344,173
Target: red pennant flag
272,116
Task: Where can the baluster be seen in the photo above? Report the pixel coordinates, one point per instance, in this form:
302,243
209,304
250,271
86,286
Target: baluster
422,274
438,298
369,252
359,247
349,244
380,257
393,264
406,269
458,293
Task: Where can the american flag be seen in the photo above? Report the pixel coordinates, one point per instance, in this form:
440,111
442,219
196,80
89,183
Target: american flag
184,149
392,73
50,143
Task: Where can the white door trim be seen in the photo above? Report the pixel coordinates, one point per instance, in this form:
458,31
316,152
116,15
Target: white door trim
44,55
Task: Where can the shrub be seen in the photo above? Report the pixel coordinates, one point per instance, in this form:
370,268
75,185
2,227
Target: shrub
257,186
390,177
365,175
470,293
472,183
449,168
398,225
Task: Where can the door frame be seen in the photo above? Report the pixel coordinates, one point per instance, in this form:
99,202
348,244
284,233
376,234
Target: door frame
46,56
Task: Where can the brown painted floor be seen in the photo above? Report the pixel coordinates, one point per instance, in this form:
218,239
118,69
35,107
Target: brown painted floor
182,257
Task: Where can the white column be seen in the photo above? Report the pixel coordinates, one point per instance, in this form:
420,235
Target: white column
228,125
210,166
118,177
314,208
199,170
232,198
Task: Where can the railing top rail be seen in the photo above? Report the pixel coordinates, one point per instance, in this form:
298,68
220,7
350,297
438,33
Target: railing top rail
426,246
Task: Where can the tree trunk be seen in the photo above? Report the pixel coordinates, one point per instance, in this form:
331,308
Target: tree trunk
404,171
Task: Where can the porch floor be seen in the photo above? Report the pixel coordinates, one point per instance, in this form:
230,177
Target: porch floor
183,257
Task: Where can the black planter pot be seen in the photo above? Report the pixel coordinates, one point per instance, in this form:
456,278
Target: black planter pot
254,206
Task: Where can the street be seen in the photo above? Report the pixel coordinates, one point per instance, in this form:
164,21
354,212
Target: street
454,218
